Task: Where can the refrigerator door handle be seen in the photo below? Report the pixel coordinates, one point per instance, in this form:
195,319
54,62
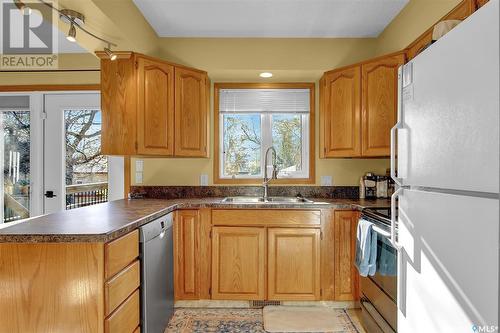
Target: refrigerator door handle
399,125
394,238
397,180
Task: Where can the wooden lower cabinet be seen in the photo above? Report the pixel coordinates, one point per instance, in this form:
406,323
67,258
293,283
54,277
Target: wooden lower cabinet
186,249
346,275
293,264
238,263
70,287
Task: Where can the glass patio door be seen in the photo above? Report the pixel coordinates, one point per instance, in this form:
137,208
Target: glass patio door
15,124
75,172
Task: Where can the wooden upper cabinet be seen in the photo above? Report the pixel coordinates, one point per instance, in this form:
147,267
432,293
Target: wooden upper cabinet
481,3
341,113
293,264
346,274
191,113
463,10
186,254
238,263
155,108
379,103
151,107
118,106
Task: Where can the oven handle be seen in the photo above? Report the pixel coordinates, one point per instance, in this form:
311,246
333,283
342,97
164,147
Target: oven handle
394,238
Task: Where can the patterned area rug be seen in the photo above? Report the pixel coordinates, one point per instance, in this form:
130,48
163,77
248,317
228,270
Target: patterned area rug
231,321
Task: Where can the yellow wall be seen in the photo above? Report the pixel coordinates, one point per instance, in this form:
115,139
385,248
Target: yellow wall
83,61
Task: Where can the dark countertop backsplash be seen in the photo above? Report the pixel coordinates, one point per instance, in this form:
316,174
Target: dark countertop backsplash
177,192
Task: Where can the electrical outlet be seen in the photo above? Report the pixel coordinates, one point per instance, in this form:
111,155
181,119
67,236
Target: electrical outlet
204,180
326,180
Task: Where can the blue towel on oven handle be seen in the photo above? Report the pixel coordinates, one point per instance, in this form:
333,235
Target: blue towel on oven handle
366,248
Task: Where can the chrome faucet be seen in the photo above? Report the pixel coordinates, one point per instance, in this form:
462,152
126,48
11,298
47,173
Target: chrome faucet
274,175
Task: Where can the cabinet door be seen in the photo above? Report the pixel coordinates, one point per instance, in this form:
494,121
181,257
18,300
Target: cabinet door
118,106
155,108
293,264
191,113
342,113
379,103
186,254
238,263
346,274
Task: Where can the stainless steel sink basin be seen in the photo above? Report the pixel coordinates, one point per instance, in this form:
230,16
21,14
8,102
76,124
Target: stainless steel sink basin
276,200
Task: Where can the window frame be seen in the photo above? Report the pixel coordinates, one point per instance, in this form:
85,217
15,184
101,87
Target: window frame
309,141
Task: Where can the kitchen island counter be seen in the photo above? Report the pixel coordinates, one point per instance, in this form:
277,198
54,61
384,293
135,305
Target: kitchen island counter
108,221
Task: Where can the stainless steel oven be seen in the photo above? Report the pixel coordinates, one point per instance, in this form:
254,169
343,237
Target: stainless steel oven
379,292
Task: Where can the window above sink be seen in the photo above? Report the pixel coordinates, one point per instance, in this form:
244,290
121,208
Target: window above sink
250,118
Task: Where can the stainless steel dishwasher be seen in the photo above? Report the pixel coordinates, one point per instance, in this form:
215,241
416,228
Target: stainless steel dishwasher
157,274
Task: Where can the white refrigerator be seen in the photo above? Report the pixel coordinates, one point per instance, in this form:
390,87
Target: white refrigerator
445,156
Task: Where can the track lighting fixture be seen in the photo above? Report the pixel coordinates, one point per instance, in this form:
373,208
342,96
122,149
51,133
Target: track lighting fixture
112,56
71,33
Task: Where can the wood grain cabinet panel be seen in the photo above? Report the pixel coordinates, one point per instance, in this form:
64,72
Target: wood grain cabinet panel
191,113
51,287
293,264
126,318
341,114
346,275
119,253
379,103
155,108
238,263
186,254
118,106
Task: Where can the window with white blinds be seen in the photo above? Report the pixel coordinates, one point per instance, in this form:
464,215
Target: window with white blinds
252,120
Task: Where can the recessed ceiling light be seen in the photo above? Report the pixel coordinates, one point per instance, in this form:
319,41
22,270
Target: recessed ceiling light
266,75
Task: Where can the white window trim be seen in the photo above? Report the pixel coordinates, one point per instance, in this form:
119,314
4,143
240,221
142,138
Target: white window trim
266,125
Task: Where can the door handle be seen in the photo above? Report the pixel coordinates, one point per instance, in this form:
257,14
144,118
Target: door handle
50,194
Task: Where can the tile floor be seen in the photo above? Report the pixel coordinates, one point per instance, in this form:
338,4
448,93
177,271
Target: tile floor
218,320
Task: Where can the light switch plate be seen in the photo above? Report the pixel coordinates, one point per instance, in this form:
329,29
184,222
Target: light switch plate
204,180
138,177
139,165
326,180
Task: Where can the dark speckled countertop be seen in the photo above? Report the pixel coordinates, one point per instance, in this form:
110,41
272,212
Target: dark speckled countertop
108,221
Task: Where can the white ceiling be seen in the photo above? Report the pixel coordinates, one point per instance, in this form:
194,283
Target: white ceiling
269,18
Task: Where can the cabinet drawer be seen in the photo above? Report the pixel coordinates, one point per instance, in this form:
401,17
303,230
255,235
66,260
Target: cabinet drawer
126,318
121,286
254,217
120,253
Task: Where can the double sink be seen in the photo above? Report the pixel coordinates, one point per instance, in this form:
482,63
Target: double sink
270,200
